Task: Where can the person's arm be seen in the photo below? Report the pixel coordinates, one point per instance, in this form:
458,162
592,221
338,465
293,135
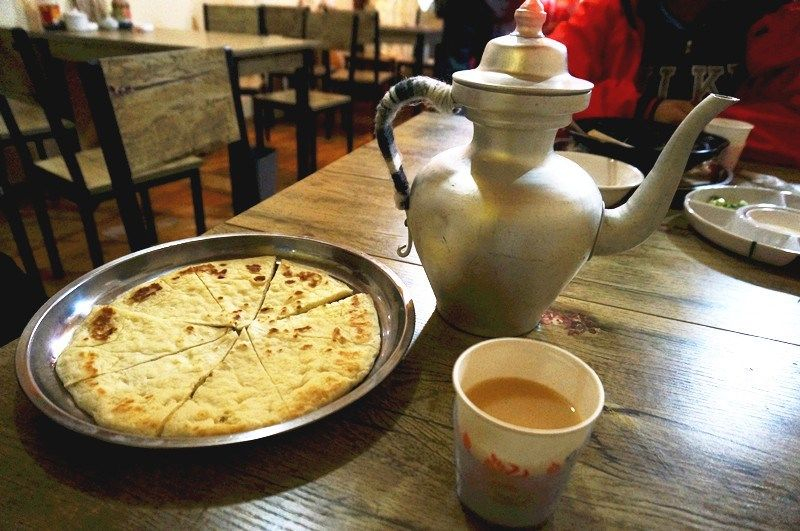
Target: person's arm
770,99
603,47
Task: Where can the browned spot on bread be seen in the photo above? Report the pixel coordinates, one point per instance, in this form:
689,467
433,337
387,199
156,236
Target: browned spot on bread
101,326
312,278
204,268
303,328
88,365
125,405
145,292
189,328
272,331
253,268
290,281
298,292
348,354
337,336
260,278
242,346
287,272
305,347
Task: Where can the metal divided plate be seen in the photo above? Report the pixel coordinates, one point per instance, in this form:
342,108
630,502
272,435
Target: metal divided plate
50,330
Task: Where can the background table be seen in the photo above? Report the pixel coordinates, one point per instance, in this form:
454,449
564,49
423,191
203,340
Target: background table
698,350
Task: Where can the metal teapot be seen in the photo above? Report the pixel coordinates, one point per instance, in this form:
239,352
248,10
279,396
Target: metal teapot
502,224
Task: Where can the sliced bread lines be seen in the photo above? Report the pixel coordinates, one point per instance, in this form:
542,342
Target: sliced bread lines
221,347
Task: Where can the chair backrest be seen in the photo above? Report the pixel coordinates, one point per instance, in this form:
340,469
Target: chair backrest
368,28
234,19
369,39
285,20
150,109
335,29
14,80
28,75
169,105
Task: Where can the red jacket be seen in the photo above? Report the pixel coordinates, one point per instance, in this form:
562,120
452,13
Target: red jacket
605,48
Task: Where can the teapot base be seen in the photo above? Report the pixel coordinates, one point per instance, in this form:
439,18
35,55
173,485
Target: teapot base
481,330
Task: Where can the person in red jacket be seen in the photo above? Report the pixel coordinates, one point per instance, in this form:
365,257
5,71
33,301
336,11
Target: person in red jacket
655,59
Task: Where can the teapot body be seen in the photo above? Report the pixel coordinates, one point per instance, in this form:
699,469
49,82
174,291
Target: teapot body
503,224
499,235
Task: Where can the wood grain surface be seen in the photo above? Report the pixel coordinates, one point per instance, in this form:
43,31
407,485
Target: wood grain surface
698,351
170,105
233,19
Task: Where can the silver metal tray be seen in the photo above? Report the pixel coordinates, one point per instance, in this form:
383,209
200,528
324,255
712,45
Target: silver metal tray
50,330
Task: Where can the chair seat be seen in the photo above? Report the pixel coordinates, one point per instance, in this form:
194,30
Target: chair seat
95,172
30,119
363,76
252,84
317,100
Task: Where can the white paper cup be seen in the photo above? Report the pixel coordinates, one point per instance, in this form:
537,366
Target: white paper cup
736,131
507,474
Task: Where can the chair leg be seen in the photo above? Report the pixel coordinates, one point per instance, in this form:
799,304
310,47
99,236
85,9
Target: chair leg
197,200
40,151
92,236
329,118
347,122
46,228
10,210
269,121
149,217
258,122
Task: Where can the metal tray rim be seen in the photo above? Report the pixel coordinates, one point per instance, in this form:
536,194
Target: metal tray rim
52,410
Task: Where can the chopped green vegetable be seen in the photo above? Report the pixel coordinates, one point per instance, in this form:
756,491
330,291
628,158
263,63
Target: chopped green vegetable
724,203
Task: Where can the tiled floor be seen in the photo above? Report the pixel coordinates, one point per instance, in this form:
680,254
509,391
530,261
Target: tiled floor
172,204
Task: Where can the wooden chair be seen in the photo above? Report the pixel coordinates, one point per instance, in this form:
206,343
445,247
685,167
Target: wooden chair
153,114
420,61
24,122
233,19
287,21
366,77
83,176
336,30
238,19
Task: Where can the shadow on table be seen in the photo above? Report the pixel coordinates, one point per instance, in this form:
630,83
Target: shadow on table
711,255
223,475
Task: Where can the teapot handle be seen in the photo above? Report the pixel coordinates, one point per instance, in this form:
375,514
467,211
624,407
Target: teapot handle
407,92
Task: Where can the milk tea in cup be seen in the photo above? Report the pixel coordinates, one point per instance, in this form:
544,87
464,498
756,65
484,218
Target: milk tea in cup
523,410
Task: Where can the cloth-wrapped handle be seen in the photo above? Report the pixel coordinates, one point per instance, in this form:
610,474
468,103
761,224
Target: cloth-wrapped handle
409,91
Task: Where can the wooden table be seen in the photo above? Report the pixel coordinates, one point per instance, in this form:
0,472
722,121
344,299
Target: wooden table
254,54
698,350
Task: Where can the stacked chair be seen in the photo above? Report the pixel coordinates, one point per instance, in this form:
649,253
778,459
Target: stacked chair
367,76
335,30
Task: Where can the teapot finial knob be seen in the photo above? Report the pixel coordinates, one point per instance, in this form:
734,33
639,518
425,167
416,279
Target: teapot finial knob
530,17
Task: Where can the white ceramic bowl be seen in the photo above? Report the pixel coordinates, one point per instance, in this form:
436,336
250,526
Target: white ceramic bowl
613,177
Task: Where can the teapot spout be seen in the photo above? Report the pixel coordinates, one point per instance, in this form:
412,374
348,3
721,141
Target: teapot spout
629,225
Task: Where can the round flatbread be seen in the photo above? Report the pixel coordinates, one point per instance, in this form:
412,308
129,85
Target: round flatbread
187,354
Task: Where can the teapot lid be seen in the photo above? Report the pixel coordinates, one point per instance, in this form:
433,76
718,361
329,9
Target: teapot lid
525,61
